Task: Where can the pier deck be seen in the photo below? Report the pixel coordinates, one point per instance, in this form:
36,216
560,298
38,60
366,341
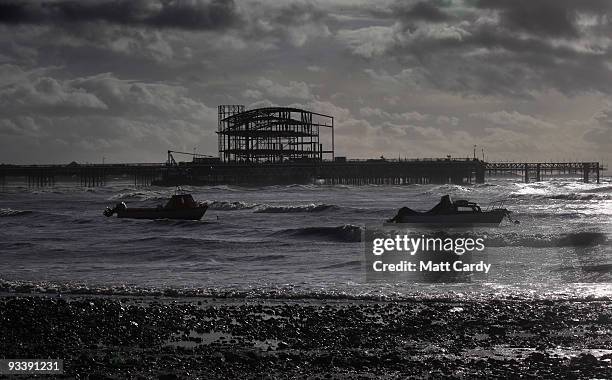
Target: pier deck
349,172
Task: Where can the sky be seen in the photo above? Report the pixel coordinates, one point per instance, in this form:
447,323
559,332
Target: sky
126,80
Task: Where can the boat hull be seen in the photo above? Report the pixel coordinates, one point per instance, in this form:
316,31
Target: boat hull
485,218
147,213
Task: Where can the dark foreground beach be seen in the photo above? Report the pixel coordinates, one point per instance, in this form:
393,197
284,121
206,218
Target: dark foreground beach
173,337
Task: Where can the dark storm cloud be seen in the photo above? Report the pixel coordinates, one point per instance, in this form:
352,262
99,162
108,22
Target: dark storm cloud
421,11
182,14
298,13
409,11
556,18
497,47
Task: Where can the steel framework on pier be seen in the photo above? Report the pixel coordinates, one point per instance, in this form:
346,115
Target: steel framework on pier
272,134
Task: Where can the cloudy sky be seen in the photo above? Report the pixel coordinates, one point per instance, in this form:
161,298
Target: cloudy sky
129,79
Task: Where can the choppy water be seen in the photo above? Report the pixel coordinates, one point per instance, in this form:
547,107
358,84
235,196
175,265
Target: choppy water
301,240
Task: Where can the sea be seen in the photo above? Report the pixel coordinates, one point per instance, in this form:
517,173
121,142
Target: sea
298,241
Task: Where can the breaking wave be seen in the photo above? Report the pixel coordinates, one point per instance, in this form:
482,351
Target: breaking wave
449,188
298,208
345,233
139,195
266,208
230,206
11,212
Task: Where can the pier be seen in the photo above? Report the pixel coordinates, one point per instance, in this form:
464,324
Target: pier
373,171
211,171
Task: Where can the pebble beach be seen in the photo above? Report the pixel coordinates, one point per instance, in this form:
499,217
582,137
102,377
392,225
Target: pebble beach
161,337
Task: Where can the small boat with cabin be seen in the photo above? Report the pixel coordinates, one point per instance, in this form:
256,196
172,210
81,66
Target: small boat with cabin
449,213
181,206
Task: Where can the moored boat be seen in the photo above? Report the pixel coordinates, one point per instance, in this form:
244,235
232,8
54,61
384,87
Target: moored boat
181,206
449,213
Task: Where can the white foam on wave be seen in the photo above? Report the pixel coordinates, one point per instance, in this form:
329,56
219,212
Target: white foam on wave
142,195
4,212
312,207
230,205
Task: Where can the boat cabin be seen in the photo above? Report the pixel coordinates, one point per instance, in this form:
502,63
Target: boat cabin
465,206
447,206
181,201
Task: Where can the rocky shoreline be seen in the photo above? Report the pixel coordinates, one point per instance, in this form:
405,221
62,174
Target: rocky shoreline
170,338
